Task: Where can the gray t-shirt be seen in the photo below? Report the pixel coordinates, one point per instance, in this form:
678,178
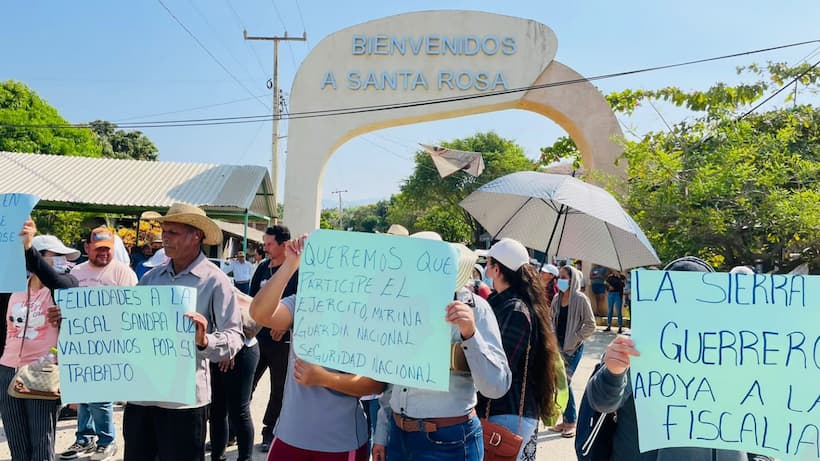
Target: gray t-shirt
317,418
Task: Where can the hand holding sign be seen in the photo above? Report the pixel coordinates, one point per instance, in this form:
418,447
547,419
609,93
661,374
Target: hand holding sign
618,353
28,233
294,248
308,374
54,316
201,324
461,315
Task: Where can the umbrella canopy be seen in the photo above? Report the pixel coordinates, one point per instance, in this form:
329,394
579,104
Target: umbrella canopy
562,215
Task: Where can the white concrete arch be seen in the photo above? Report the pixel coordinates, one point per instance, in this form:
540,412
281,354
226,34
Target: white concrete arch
427,56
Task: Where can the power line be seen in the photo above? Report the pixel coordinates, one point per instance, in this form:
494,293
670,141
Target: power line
782,88
204,48
285,28
301,18
379,107
242,25
215,32
370,108
207,106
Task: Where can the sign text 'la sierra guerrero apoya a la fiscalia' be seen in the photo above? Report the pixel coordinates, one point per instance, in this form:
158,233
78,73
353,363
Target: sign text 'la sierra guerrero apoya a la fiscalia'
425,45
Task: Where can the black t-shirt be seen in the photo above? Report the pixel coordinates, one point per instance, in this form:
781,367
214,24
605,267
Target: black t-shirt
263,273
561,324
615,284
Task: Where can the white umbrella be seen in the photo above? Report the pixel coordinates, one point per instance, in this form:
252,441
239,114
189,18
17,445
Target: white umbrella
563,216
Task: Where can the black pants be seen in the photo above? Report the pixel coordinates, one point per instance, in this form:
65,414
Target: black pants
230,399
274,357
154,433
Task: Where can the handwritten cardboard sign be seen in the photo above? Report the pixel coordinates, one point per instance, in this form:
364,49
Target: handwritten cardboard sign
374,305
14,210
127,343
727,361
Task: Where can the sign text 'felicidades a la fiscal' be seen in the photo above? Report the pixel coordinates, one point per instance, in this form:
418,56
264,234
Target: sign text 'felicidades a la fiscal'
727,361
127,343
374,305
14,210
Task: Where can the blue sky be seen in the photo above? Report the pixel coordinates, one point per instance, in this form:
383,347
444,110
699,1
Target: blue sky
129,61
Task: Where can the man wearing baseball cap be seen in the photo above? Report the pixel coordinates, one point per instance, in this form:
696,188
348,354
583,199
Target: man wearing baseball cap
95,421
242,272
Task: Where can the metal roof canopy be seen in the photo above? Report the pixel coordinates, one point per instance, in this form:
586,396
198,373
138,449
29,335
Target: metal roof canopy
132,186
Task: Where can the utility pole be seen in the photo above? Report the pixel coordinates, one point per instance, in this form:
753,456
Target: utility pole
275,144
340,206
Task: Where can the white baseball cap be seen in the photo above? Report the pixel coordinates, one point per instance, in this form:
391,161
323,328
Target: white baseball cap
742,270
510,253
54,245
549,268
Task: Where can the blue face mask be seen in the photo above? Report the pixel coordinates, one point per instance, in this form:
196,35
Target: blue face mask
488,281
563,284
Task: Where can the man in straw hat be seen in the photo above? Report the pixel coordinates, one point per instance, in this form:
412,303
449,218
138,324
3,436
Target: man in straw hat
410,418
171,431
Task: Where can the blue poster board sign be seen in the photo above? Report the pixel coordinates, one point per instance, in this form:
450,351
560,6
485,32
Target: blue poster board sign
14,211
727,361
374,305
127,343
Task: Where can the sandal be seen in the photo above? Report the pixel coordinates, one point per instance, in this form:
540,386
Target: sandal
569,431
560,427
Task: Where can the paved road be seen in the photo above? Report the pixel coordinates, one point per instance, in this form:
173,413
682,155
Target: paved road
551,446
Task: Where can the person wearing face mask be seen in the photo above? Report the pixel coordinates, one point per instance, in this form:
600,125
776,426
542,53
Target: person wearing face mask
523,314
574,322
31,332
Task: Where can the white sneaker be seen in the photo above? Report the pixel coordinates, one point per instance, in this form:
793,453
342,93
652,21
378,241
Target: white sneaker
104,453
77,449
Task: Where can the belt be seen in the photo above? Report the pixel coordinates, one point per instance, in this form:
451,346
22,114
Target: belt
408,424
241,281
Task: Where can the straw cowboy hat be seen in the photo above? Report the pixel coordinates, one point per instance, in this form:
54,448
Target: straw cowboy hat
466,263
398,229
195,217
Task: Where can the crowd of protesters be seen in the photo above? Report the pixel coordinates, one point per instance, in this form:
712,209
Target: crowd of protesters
512,322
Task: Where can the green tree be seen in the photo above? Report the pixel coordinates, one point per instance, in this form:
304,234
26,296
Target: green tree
429,202
329,219
123,144
66,225
20,107
731,189
367,218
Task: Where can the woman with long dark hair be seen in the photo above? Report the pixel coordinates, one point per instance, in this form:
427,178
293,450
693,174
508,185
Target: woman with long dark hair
574,323
525,321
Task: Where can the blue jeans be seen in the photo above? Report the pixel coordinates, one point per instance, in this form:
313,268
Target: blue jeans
244,287
614,298
95,419
571,363
528,427
454,443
